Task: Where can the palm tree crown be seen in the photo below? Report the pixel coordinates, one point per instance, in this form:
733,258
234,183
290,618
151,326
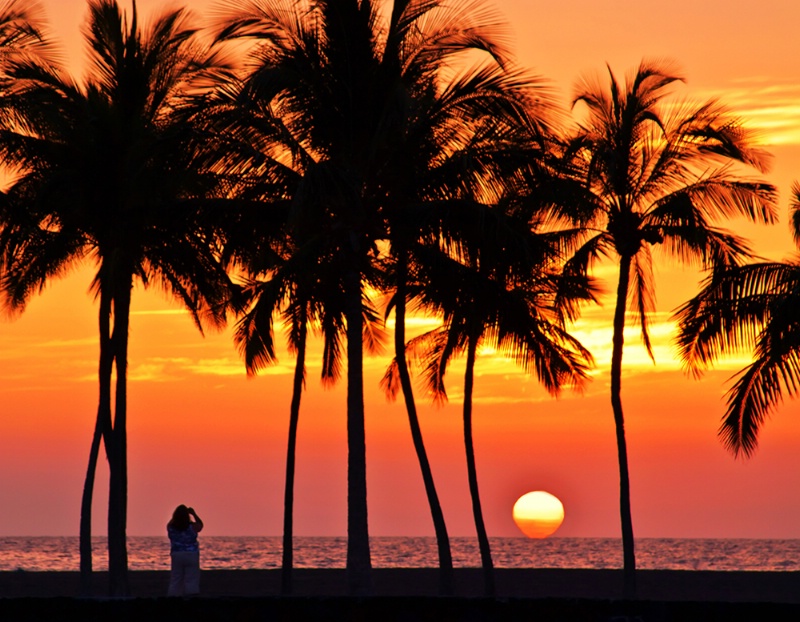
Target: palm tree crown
661,176
655,176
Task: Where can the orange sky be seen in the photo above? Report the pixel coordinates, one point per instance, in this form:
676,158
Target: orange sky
204,434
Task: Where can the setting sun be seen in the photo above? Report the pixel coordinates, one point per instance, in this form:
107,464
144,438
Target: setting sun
538,514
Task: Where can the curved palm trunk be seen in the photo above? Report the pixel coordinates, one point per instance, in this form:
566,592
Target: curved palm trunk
359,565
472,472
628,553
288,494
118,460
101,430
85,540
439,525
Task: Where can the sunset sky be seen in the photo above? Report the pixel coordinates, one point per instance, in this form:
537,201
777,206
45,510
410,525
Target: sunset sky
202,433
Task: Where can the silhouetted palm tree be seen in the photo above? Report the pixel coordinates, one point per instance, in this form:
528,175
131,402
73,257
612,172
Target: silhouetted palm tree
317,67
106,172
455,134
283,257
655,176
499,287
295,292
752,307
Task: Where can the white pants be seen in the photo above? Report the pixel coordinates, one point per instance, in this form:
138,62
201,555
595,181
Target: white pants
184,580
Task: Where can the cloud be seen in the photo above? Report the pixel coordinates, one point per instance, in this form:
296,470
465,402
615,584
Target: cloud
495,400
157,369
234,367
770,108
174,369
594,330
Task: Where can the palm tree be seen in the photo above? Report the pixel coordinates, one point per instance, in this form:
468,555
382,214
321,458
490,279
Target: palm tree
317,64
499,287
654,176
345,86
748,307
303,301
107,172
454,134
283,259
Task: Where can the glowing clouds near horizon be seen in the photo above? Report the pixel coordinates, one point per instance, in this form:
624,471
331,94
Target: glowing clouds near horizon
538,514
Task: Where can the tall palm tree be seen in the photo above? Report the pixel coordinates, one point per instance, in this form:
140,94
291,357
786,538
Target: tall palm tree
454,136
655,176
107,172
305,303
345,86
284,259
499,287
317,64
751,307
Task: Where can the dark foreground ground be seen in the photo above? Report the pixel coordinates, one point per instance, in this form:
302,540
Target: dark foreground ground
406,595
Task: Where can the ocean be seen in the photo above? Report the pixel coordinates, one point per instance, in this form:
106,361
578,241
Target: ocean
246,552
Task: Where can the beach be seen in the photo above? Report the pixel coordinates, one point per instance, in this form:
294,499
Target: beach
411,594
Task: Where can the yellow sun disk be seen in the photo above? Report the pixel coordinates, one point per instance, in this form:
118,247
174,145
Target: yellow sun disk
538,514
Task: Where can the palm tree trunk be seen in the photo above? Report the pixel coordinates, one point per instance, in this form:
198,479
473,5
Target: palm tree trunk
118,462
472,472
85,544
288,494
359,565
439,525
101,430
628,553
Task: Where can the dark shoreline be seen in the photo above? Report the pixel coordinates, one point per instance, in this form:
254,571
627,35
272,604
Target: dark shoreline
411,594
667,585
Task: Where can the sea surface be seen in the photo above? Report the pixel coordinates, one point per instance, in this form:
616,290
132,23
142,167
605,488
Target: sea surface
234,553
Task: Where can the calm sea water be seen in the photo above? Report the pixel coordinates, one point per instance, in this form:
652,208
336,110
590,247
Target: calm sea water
218,552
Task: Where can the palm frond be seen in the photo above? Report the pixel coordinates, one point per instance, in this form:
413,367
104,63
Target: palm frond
24,36
253,333
733,307
758,390
643,294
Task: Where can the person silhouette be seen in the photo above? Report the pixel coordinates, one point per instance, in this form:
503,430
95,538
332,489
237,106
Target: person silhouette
182,529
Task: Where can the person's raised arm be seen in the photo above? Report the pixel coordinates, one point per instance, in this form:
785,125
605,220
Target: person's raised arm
198,524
